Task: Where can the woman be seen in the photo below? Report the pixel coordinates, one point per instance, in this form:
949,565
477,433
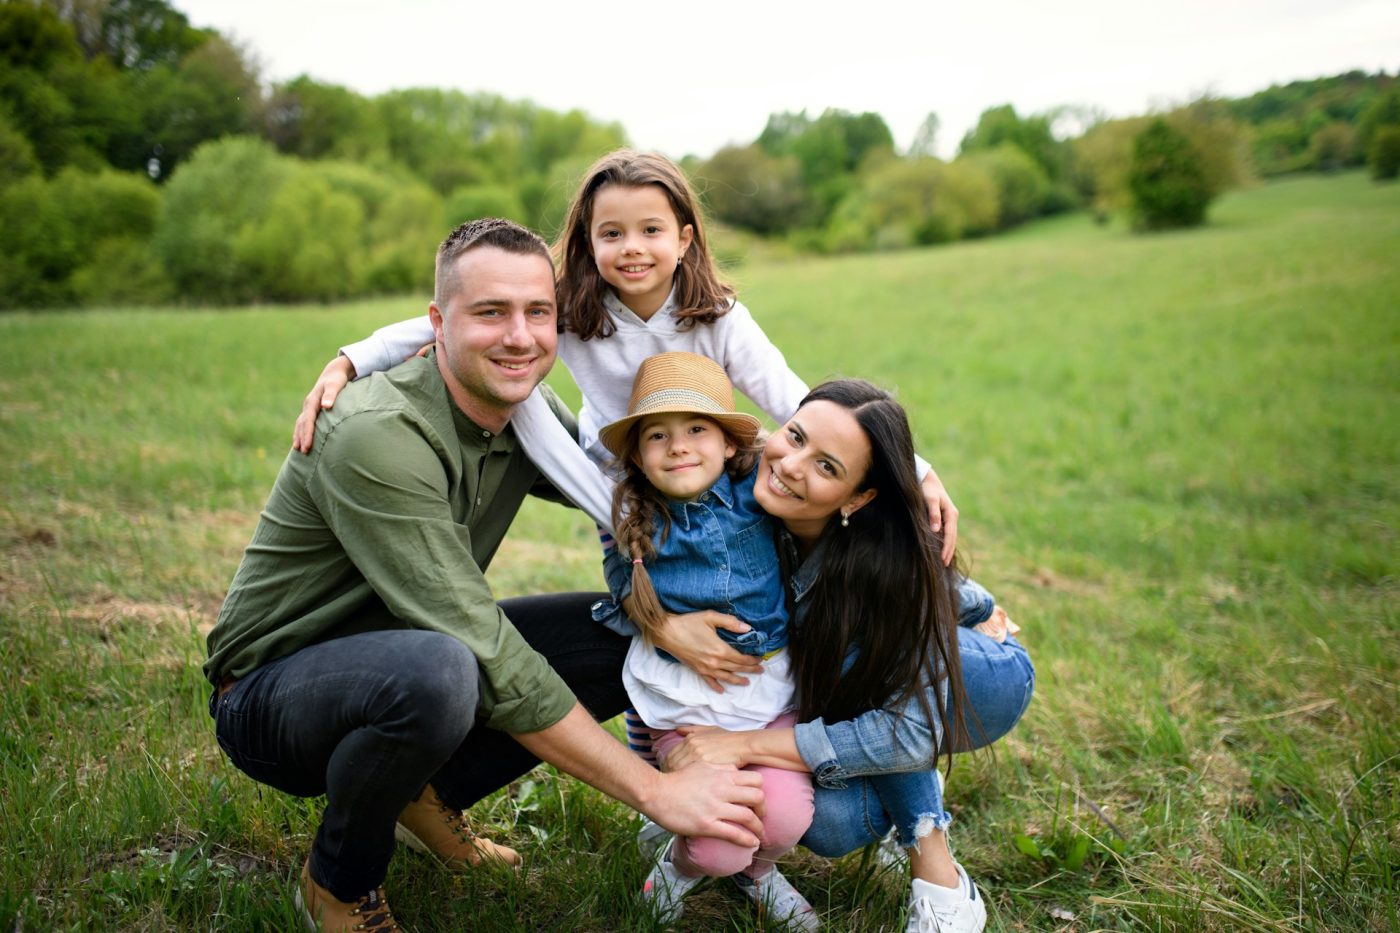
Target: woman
874,613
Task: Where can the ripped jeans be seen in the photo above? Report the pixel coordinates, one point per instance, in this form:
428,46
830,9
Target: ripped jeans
877,771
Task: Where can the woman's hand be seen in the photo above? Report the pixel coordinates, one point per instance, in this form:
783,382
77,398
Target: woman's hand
334,377
708,745
942,514
691,639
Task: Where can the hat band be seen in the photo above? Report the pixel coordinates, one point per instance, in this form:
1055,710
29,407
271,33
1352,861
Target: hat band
679,400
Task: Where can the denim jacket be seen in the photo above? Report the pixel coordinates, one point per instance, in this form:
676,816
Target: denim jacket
719,554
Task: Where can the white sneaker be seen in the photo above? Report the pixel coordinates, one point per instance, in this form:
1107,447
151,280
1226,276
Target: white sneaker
966,915
779,901
889,853
651,837
666,888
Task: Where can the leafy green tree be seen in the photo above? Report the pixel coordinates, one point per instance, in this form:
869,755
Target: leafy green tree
52,229
1220,144
16,154
1001,126
1022,187
211,93
306,244
141,34
1102,157
34,44
1167,179
829,150
471,202
121,272
1384,111
750,188
225,186
925,142
1384,154
1279,145
38,246
307,118
917,201
1332,147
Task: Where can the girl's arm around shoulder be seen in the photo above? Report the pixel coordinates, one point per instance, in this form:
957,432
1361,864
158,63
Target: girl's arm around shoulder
755,366
389,345
384,349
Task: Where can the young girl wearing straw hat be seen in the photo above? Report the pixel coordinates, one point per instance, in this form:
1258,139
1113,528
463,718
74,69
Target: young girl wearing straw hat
692,538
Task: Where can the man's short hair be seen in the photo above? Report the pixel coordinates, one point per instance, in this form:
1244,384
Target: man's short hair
488,231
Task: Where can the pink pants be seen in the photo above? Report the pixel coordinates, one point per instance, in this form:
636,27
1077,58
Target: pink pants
788,813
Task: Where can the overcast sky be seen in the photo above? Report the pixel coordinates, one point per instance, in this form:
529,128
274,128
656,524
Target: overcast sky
691,77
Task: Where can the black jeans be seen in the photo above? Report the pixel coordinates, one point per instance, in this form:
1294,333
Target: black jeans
369,719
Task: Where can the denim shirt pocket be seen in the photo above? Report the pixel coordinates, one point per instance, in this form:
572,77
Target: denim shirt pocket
754,552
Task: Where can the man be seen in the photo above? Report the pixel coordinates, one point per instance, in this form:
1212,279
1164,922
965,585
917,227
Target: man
360,653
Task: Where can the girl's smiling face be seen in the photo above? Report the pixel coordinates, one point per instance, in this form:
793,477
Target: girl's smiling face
682,454
813,467
637,244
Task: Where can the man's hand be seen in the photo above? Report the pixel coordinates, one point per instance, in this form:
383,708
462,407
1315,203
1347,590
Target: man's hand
724,803
942,514
692,639
698,801
334,377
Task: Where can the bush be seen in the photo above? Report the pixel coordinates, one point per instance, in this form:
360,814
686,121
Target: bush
1383,156
1023,189
51,229
403,226
1332,147
222,188
306,245
122,271
1167,180
751,188
917,201
471,202
16,154
1102,157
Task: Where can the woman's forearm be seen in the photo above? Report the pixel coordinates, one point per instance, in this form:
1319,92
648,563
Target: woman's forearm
776,748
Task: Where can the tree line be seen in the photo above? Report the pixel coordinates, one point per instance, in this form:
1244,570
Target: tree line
143,161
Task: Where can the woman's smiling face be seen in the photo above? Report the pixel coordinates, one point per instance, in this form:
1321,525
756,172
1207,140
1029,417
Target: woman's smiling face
813,467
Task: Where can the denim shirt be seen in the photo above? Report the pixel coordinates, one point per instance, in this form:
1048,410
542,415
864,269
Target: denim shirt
719,554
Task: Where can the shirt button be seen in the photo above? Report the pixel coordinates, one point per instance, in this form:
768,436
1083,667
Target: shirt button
478,502
485,433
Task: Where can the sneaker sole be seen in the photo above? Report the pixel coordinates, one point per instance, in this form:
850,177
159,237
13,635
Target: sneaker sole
405,835
650,839
306,917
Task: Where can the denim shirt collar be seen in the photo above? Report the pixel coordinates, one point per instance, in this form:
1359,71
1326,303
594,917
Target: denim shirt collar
807,571
617,309
722,492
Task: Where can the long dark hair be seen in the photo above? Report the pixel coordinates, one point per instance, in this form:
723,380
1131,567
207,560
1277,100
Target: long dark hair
882,588
702,294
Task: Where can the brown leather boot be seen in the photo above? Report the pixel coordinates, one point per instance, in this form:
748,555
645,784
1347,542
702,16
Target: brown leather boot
322,911
429,825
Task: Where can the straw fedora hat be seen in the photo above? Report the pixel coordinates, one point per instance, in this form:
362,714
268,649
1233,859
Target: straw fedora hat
680,382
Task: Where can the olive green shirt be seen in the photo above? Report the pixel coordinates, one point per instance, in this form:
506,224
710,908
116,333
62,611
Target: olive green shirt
390,523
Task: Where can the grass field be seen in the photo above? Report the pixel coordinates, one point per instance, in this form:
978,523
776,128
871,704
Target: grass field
1178,463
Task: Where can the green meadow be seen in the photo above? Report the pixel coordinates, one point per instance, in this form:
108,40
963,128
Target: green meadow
1177,459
